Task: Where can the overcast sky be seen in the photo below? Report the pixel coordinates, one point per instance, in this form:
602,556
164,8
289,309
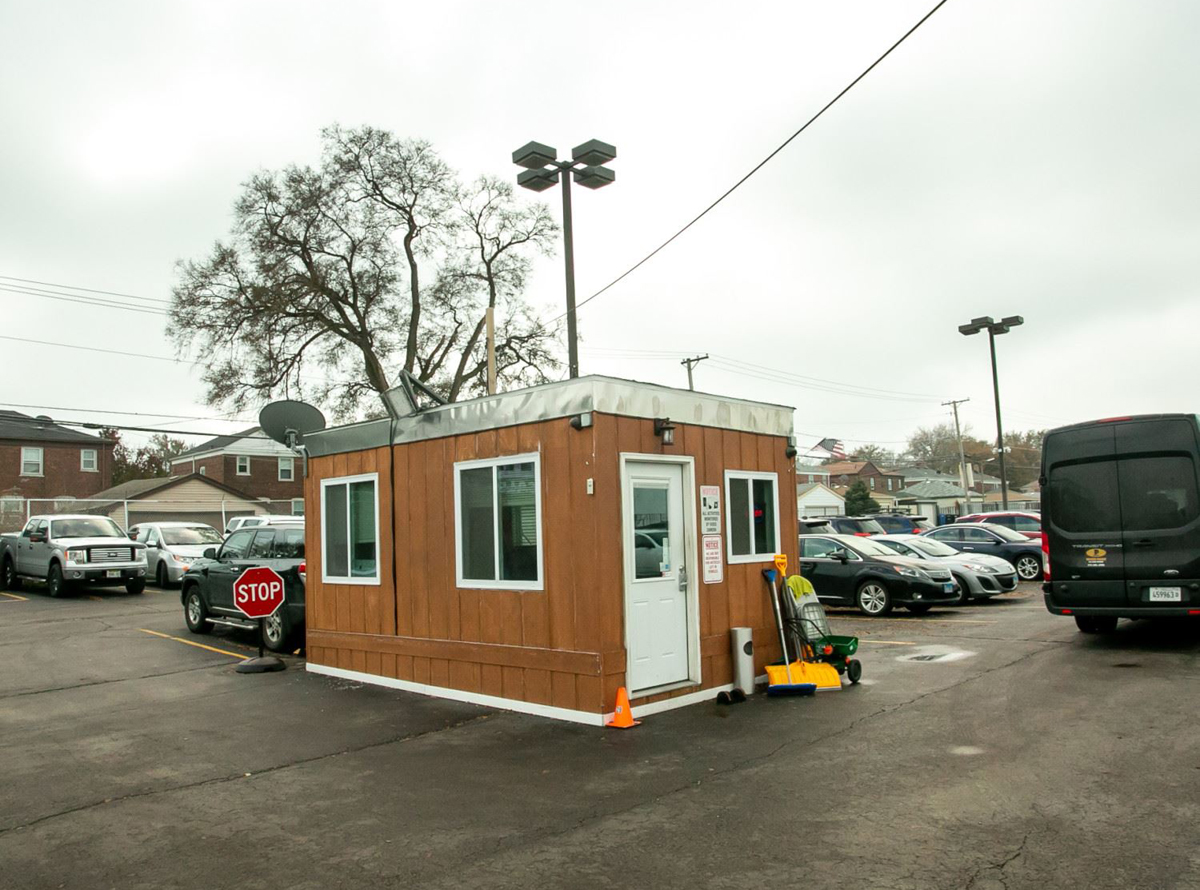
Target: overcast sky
1012,157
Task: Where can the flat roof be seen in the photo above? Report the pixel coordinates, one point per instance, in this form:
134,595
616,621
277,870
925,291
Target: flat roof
605,395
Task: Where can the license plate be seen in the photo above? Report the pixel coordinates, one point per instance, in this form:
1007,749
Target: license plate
948,587
1166,594
113,573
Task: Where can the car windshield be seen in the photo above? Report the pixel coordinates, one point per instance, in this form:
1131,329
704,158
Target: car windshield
866,526
867,547
195,534
932,548
1007,533
98,527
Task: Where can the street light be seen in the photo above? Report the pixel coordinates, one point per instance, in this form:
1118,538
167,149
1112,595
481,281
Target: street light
543,171
994,328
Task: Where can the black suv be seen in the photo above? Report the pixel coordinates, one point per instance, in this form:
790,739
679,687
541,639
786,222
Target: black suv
850,570
900,524
207,587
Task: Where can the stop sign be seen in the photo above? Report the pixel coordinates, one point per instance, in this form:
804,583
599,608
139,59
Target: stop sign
258,592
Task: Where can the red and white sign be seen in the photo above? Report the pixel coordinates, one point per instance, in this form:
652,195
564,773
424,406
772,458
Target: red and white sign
258,592
713,559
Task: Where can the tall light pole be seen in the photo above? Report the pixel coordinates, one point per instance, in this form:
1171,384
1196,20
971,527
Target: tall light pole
543,171
995,328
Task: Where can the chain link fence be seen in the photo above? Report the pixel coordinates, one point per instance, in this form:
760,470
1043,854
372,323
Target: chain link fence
15,512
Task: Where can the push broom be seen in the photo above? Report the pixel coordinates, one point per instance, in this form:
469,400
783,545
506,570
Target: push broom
775,674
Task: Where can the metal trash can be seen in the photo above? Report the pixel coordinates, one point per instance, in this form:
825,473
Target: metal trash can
743,658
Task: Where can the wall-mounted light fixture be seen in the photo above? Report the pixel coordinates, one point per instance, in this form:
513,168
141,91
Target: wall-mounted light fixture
582,421
664,428
791,451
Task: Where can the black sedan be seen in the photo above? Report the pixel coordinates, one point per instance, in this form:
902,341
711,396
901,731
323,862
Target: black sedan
994,540
849,570
207,587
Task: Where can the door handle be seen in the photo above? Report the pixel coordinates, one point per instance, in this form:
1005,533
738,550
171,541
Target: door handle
683,577
806,565
1143,543
968,548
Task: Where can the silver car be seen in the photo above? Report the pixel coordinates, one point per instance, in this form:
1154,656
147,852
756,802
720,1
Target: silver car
977,575
172,547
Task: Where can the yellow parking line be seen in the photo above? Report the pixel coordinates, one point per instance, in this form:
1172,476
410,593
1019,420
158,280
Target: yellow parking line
191,643
98,599
13,596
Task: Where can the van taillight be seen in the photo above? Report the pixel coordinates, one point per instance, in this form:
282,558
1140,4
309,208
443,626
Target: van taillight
302,569
1114,419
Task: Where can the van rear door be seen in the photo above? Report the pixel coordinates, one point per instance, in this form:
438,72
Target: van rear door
1082,517
1160,510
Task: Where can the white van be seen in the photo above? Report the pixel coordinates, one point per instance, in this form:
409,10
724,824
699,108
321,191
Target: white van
263,519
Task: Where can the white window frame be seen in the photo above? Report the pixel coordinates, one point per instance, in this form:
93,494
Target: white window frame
290,463
203,470
346,480
40,459
238,465
483,584
300,501
750,557
83,464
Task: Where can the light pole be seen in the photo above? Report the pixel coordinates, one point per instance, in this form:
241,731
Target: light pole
542,171
994,328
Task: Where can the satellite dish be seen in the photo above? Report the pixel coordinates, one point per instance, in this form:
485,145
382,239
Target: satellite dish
288,422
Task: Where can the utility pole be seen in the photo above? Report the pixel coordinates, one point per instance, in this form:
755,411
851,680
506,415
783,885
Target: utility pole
962,457
691,363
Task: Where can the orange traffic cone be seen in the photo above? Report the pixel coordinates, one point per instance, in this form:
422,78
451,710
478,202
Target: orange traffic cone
623,715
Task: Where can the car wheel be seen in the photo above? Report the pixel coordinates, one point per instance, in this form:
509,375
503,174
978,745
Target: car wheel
56,584
919,608
964,592
276,632
872,599
854,670
194,612
12,581
1096,624
135,585
161,578
1029,568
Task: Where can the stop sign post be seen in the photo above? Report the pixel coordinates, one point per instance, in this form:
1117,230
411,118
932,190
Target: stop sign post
258,593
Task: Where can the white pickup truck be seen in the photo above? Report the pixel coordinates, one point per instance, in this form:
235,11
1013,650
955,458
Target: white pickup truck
72,550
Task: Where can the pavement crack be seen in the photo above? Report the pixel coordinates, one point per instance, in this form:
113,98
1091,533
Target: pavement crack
999,867
221,780
85,685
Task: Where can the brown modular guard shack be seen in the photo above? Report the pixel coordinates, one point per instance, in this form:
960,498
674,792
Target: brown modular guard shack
559,650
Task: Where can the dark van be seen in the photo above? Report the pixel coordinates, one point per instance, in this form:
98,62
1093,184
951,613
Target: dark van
1121,513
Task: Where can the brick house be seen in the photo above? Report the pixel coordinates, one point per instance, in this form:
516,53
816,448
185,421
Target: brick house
847,472
249,462
40,459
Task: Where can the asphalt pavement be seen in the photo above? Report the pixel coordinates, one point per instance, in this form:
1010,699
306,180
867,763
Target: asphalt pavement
988,746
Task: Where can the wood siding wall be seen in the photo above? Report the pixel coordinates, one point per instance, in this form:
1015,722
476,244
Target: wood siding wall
561,646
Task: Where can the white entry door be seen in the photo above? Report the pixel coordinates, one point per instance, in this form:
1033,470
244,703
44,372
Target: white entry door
657,575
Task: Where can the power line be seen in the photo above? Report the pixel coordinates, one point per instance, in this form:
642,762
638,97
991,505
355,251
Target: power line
128,413
149,429
90,290
161,358
763,162
85,301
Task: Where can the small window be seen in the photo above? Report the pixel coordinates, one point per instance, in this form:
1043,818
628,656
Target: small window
872,483
243,465
978,536
349,529
498,505
264,541
752,518
889,482
31,462
237,545
297,506
948,533
1158,492
287,469
289,543
88,460
204,471
817,548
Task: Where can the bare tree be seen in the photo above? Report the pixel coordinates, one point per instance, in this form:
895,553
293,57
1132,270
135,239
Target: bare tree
318,291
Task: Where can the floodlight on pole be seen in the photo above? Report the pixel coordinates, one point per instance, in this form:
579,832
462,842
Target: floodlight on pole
994,329
542,171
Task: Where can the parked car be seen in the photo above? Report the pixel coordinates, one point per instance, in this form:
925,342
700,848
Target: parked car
852,570
172,547
72,550
207,587
975,575
1028,524
994,540
1122,511
862,526
261,519
902,524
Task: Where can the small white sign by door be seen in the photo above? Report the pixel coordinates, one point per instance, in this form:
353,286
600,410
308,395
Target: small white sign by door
710,509
713,559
